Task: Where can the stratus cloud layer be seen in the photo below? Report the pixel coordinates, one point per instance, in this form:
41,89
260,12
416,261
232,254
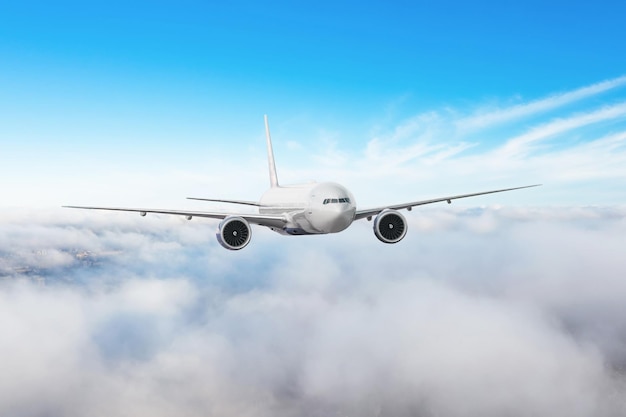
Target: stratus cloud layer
477,312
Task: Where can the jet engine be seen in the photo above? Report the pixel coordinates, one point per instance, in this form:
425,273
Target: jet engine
390,226
233,233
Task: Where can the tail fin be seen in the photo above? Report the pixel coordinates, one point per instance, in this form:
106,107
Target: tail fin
270,156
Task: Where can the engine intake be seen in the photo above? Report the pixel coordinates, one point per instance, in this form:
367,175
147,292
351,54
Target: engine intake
233,233
390,226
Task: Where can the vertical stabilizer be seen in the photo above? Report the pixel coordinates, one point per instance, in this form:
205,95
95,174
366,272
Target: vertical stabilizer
270,156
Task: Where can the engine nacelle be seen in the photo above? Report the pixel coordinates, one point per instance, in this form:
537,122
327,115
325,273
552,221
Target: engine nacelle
233,233
390,226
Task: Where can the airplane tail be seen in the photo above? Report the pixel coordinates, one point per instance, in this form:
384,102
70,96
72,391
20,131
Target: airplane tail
270,156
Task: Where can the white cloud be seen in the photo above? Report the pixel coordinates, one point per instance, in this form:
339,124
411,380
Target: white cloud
481,120
498,311
521,145
491,311
576,151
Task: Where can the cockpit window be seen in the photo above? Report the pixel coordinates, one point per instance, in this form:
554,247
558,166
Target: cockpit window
336,200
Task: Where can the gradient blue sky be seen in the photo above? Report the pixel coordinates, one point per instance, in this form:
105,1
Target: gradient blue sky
148,102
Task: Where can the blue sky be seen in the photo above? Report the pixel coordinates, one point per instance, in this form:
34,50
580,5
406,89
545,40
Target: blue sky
139,99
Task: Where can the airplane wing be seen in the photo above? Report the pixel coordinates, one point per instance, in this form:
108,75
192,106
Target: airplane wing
361,214
260,219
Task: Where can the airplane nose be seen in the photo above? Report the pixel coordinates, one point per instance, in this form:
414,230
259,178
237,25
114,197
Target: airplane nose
349,211
341,217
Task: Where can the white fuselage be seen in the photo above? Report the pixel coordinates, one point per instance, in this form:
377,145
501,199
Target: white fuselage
313,208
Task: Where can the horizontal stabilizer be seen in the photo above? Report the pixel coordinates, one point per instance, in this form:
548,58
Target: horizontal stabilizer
215,200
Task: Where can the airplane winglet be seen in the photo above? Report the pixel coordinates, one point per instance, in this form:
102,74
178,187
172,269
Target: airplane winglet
270,156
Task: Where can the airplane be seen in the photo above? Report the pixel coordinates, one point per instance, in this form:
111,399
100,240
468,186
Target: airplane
302,209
